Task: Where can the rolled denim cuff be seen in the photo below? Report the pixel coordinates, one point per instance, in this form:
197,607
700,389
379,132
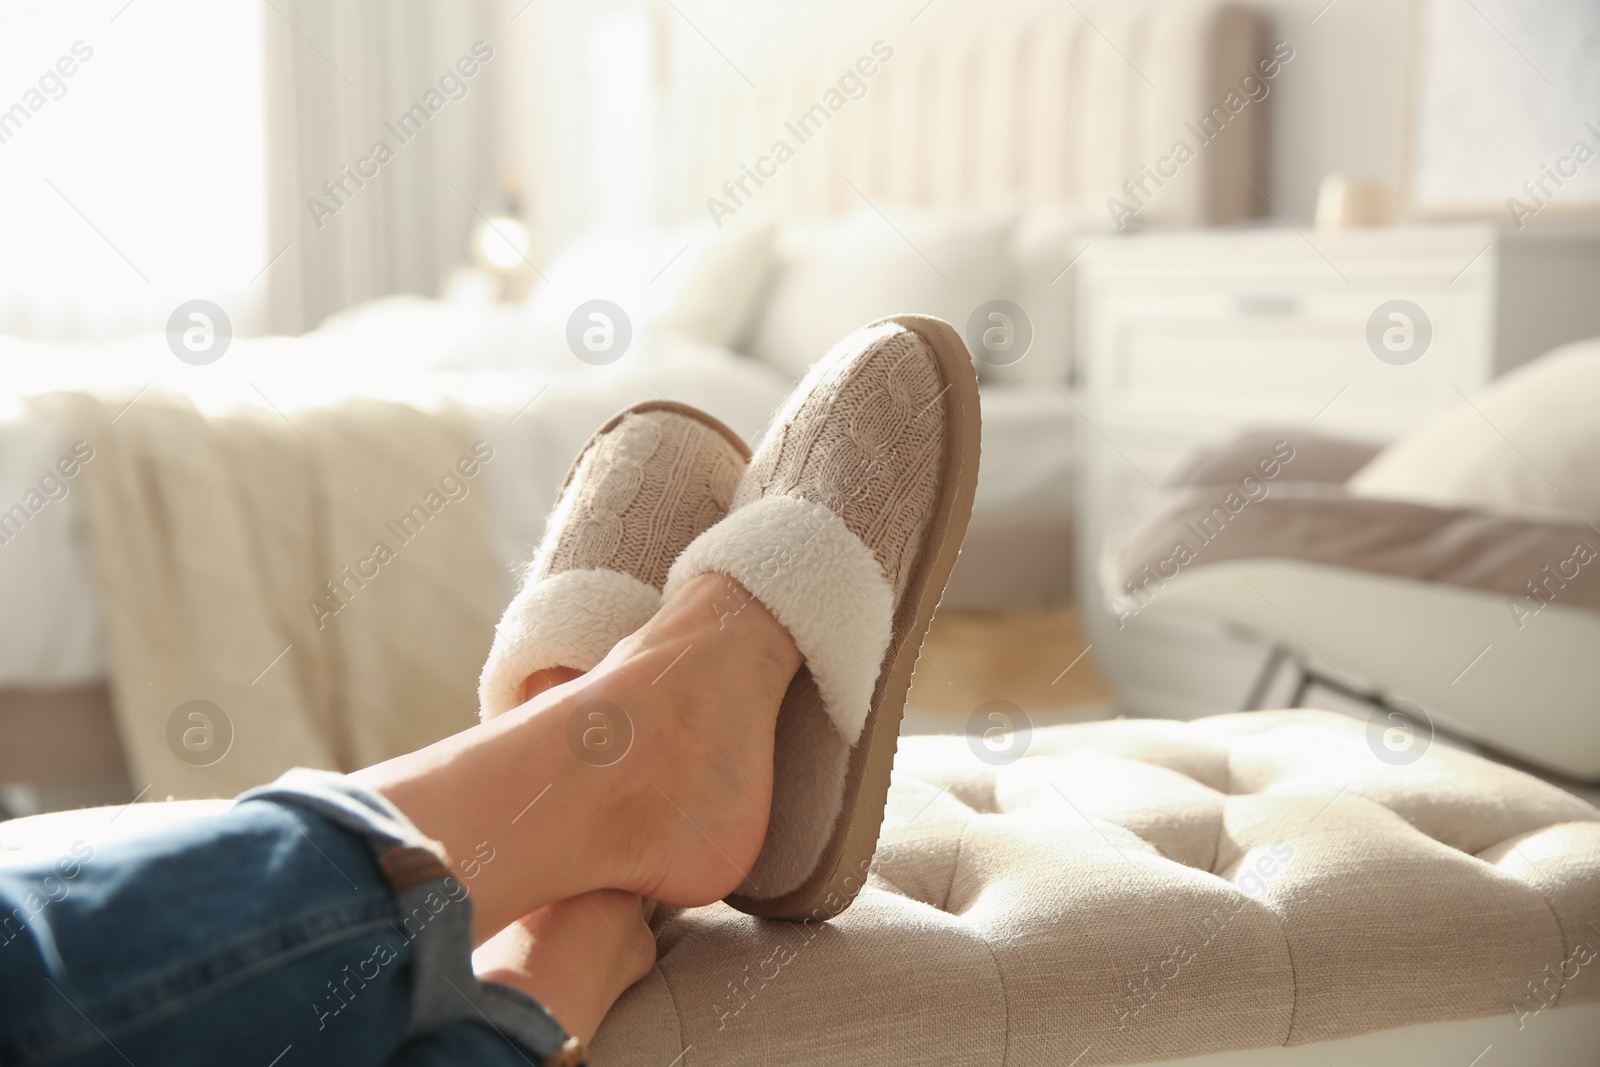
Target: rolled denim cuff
435,912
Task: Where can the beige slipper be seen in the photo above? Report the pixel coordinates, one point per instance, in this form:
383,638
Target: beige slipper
845,526
647,483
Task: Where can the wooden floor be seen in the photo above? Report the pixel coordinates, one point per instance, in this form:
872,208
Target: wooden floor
1039,661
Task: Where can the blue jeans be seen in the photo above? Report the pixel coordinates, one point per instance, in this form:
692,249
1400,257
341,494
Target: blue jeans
310,923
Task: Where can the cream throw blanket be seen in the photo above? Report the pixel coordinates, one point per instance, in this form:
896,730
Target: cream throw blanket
353,541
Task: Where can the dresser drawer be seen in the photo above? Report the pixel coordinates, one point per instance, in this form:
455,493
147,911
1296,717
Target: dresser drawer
1217,357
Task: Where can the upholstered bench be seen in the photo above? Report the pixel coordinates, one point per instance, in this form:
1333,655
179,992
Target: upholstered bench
1143,890
1138,890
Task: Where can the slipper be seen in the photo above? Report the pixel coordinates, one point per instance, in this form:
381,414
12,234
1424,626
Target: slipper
845,526
647,483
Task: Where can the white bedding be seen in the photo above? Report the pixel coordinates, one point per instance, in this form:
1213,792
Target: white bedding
1019,547
535,403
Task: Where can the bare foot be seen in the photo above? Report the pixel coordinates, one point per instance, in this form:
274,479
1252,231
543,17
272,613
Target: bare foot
541,681
576,957
701,684
694,724
675,809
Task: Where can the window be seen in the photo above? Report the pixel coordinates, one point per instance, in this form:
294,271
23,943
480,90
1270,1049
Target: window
131,163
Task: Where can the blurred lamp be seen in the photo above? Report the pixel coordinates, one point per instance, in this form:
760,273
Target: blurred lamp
503,242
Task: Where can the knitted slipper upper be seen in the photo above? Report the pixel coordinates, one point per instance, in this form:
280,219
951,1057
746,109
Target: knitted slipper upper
643,488
831,512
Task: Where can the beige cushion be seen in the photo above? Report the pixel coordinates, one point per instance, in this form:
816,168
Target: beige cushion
1309,456
1528,560
1525,443
1147,890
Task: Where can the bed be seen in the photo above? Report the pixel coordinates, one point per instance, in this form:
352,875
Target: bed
886,214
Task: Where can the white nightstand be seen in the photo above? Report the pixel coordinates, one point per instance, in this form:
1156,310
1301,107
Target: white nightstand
1185,338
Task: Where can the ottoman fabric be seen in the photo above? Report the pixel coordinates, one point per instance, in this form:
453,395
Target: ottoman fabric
1139,890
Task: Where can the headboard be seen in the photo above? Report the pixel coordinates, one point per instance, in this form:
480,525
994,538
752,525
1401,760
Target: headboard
1010,103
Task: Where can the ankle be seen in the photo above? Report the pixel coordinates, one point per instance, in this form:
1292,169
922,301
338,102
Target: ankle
546,680
716,617
576,956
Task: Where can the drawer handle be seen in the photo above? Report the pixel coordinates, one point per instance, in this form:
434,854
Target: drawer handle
1269,304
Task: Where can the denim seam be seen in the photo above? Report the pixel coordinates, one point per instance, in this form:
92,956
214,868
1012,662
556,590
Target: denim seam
180,990
220,964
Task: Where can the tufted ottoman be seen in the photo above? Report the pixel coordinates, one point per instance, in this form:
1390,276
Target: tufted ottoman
1141,890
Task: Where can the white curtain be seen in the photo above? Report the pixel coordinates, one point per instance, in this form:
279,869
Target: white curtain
381,149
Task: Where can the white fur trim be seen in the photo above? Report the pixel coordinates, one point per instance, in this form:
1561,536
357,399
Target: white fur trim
571,619
821,582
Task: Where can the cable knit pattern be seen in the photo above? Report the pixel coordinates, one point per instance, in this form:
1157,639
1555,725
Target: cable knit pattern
861,435
644,487
639,493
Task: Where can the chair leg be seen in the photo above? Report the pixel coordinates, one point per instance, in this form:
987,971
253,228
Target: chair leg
1302,687
1379,703
1264,679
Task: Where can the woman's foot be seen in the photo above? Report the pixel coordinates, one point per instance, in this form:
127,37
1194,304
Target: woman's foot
576,957
700,684
546,680
652,773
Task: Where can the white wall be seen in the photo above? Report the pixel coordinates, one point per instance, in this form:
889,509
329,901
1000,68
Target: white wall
1341,105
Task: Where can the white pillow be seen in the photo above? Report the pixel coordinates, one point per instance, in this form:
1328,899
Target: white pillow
697,281
1047,240
834,277
1528,442
714,286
